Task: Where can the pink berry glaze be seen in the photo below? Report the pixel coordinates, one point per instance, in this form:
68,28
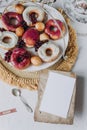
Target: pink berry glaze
30,37
20,58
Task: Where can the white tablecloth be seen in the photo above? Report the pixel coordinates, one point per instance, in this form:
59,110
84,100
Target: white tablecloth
22,120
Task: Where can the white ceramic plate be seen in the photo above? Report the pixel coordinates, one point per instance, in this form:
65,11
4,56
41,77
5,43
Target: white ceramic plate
62,45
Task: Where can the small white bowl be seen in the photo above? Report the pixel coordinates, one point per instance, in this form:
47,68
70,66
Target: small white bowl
78,19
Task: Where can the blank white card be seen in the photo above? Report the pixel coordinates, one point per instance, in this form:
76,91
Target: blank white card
57,94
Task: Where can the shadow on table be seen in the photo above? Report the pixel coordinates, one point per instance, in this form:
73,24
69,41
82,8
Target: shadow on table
79,95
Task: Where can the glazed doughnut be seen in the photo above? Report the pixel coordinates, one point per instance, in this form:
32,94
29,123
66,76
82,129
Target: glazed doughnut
8,40
30,37
33,14
20,58
48,52
8,23
52,29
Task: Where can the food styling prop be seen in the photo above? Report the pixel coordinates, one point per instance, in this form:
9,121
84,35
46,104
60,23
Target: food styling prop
17,92
77,12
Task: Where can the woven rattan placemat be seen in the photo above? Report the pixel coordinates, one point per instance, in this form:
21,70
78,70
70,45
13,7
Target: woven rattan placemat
30,80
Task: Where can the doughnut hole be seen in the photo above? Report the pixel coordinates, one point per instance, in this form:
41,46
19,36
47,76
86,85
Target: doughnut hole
19,31
40,26
36,61
7,40
44,37
19,8
53,28
13,21
48,51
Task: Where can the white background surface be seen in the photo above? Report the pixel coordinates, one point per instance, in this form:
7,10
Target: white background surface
24,121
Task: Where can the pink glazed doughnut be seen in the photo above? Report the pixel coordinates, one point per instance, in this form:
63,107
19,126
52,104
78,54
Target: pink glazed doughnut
20,58
7,20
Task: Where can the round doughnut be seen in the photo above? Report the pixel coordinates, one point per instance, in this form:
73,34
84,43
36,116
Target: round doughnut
36,60
9,18
8,40
33,14
19,31
20,58
40,26
30,37
52,29
48,52
44,37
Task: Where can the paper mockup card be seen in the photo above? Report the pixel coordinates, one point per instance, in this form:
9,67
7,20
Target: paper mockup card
57,95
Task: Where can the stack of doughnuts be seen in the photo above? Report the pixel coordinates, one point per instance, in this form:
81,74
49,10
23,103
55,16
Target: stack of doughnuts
26,28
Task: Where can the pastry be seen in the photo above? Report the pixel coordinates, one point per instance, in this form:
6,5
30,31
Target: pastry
33,14
30,37
55,29
48,52
11,20
20,58
8,40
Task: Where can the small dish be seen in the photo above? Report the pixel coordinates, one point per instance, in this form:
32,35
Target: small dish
77,12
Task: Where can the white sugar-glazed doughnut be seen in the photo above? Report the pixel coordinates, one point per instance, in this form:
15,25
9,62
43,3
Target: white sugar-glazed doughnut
48,52
32,9
12,42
